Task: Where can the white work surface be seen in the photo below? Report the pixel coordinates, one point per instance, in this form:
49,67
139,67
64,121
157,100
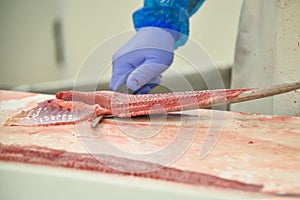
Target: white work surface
254,149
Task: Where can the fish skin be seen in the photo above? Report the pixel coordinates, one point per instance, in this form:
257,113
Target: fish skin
56,112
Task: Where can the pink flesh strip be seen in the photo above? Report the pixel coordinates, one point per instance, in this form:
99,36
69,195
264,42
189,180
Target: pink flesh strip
126,105
70,107
61,158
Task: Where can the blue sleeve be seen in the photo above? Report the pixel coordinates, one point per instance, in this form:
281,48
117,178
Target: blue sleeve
169,14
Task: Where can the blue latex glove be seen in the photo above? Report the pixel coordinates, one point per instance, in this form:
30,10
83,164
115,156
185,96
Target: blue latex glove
141,61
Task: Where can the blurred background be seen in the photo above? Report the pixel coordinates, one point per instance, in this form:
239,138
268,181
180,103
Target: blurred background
44,42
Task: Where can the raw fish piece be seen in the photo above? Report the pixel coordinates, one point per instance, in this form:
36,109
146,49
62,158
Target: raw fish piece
56,112
72,106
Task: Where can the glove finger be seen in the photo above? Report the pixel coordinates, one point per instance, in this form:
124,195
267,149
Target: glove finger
120,72
153,66
123,65
144,74
144,90
118,80
148,87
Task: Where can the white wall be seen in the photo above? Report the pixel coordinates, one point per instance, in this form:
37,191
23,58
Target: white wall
215,27
26,39
94,21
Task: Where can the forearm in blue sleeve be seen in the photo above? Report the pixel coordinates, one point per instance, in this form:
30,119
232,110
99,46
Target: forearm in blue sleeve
169,14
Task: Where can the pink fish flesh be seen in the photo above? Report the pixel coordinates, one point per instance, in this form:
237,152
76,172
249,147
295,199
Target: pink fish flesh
70,107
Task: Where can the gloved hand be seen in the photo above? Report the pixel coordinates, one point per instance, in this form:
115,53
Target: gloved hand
141,61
